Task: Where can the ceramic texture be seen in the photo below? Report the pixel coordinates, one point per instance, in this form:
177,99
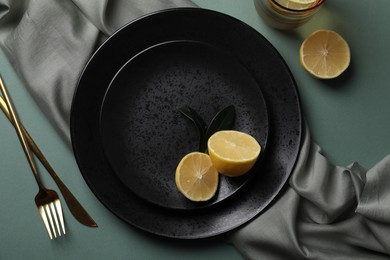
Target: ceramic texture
144,134
261,61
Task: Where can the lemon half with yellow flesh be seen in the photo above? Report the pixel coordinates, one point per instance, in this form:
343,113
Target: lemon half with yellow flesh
325,54
233,153
196,177
296,4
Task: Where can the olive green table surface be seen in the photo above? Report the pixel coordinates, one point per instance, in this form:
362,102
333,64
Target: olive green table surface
349,117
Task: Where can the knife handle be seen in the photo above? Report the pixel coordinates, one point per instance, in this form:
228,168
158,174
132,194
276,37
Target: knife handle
73,204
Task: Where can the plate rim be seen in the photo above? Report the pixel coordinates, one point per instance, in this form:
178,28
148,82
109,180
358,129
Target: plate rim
291,163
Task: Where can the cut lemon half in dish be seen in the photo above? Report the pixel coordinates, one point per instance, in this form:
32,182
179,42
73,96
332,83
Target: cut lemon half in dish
196,177
233,153
296,4
325,54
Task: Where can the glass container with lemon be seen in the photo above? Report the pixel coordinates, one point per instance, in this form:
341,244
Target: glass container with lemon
287,14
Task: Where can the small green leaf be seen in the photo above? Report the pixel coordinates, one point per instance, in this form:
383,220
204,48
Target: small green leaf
223,120
197,120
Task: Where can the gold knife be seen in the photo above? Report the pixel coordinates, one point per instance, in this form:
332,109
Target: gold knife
74,206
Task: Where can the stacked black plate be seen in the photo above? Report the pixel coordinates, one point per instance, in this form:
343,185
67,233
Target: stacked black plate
128,135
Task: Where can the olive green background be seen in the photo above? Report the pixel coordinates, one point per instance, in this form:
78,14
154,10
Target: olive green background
348,117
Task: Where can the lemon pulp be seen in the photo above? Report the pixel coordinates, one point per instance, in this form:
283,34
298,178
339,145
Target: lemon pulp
232,152
196,177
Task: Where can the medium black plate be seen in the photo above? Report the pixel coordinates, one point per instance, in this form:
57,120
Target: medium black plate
259,58
144,135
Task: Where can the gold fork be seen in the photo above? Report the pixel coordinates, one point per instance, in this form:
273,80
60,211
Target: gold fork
74,205
47,201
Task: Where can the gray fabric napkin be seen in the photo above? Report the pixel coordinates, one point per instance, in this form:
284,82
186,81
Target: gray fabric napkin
326,211
50,41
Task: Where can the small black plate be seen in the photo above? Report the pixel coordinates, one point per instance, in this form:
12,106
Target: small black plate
144,135
228,35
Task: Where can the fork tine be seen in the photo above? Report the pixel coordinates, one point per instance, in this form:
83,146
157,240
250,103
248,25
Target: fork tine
48,212
54,214
59,212
44,218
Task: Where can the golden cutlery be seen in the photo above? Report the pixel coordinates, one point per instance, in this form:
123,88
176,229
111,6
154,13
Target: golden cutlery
74,206
47,201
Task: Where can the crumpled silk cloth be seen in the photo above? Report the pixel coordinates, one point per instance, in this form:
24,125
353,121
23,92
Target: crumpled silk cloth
50,41
325,212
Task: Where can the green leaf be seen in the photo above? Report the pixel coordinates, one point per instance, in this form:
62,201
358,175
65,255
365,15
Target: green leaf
197,120
223,120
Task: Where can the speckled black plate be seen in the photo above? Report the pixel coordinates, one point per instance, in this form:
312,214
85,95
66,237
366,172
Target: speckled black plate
144,135
261,61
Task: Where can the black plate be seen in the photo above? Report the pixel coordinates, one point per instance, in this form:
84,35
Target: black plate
144,135
259,58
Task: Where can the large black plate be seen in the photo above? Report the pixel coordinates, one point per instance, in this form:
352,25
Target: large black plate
144,135
259,58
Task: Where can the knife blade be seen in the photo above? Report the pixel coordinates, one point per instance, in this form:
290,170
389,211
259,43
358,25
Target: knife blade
77,210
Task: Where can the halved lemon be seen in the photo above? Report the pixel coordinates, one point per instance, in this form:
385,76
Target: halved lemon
325,54
232,152
196,177
296,4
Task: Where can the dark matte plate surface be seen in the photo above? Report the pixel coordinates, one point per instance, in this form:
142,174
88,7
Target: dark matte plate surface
144,135
260,59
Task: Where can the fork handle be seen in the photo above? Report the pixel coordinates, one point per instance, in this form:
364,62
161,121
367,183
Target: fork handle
74,205
21,136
